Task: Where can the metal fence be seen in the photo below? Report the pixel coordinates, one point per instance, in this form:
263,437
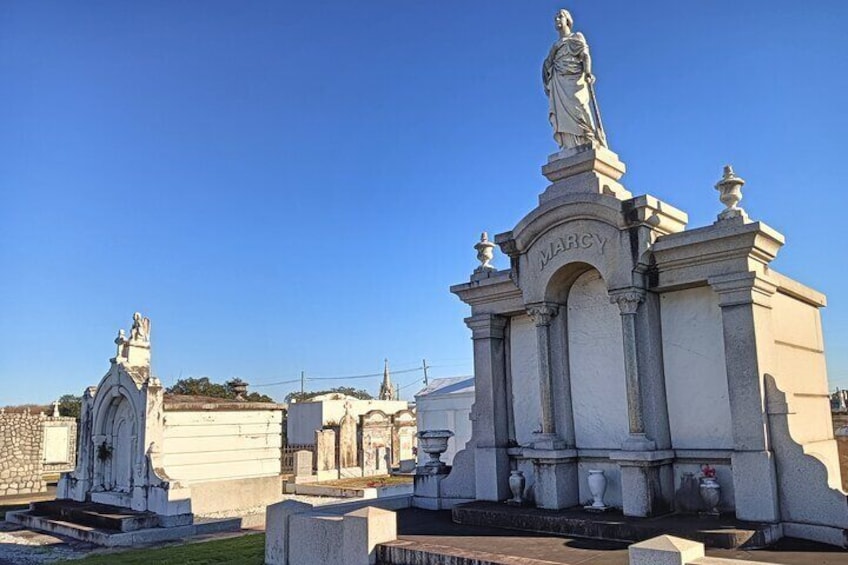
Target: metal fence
288,456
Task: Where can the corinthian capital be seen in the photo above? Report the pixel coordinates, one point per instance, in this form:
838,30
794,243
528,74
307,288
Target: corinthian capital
542,313
628,300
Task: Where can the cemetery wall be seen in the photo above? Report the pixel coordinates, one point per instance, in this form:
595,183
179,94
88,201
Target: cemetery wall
21,444
694,366
200,446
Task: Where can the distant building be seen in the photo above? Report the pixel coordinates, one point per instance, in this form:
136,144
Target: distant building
306,417
445,404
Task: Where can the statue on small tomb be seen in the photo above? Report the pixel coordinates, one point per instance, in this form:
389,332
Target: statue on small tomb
141,328
569,85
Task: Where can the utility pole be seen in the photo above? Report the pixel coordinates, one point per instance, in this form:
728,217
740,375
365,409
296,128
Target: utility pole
425,367
302,381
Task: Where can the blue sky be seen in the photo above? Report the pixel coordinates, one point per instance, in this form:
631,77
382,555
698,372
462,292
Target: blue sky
287,186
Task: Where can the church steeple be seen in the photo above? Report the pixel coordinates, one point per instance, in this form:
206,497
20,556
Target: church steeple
387,391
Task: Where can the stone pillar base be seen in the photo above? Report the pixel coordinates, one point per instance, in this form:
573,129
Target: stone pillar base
556,485
755,486
647,482
491,472
543,441
586,169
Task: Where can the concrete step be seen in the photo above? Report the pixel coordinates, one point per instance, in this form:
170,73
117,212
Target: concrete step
403,552
100,516
720,532
115,538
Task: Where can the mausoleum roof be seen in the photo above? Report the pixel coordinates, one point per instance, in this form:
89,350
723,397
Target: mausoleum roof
187,402
448,385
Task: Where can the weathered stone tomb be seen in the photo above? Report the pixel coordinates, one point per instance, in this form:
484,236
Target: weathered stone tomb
177,456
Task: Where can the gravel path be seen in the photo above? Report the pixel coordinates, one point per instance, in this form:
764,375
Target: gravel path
25,547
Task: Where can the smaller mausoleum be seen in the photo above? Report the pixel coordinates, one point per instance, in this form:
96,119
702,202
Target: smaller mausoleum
177,456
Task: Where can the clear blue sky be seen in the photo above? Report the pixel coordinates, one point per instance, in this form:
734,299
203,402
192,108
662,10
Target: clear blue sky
287,186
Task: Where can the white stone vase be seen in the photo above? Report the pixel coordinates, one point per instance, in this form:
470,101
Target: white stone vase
730,189
597,487
710,494
517,482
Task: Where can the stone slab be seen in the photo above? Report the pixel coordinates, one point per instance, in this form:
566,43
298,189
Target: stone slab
364,529
277,529
721,532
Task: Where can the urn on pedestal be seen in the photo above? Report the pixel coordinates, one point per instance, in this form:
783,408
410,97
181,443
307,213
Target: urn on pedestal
434,443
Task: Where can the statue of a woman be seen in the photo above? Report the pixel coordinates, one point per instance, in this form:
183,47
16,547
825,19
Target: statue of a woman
567,76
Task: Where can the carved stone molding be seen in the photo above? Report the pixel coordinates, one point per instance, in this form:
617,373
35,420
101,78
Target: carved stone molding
628,301
486,326
542,314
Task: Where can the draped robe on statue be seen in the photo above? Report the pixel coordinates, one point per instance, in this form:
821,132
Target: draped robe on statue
568,93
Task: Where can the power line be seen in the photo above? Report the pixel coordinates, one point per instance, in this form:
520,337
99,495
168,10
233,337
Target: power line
342,377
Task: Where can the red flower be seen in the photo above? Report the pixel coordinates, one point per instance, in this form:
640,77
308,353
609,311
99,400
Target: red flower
708,472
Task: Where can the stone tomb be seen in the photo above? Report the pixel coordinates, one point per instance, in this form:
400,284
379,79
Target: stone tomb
175,456
620,342
376,433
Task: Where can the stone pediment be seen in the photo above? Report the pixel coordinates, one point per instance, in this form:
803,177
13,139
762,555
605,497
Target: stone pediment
374,417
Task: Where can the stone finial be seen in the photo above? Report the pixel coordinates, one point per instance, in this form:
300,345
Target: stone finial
55,408
730,187
239,388
485,253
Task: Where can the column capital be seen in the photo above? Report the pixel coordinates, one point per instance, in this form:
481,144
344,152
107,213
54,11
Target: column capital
627,299
743,288
542,313
486,326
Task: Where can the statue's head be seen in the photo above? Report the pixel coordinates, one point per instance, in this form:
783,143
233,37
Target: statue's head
563,20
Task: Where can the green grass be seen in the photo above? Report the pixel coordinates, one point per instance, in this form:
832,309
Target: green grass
242,550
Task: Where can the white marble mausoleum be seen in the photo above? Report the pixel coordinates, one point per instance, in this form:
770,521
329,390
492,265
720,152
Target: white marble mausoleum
623,346
177,456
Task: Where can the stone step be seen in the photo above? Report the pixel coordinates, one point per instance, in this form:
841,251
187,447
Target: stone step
723,532
113,538
100,516
402,552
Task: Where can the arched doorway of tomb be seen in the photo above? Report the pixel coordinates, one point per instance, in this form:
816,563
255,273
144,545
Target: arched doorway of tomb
115,456
596,364
587,360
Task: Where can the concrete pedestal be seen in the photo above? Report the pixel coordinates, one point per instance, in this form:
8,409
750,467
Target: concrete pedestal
647,482
556,485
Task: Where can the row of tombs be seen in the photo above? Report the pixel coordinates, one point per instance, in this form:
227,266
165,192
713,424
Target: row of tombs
182,456
615,341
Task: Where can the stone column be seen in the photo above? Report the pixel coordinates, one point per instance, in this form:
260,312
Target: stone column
542,315
628,302
647,481
745,301
490,429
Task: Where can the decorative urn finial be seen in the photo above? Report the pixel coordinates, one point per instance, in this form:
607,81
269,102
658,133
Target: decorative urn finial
730,187
485,253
